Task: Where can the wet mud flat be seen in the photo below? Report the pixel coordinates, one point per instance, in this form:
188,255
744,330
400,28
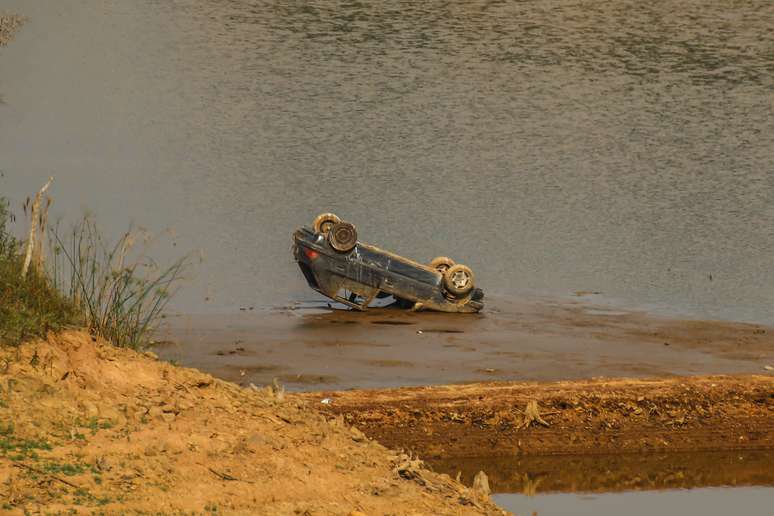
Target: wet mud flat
312,347
683,414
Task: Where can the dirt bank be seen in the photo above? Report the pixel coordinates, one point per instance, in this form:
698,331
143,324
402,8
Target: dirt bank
86,426
575,417
9,23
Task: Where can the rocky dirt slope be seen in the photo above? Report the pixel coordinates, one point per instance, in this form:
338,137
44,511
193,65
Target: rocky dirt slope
89,427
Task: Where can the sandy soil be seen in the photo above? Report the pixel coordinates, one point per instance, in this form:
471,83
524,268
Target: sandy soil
89,427
515,340
573,417
9,23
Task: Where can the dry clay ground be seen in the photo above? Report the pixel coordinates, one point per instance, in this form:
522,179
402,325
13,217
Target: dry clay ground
89,427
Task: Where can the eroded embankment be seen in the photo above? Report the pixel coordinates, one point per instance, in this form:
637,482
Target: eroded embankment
576,417
89,427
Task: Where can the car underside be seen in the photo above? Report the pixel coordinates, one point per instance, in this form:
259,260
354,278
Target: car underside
354,273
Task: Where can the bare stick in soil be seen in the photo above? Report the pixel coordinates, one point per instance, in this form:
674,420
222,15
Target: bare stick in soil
532,414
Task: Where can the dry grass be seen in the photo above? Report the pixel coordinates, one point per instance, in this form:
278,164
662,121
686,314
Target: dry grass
114,289
9,24
121,291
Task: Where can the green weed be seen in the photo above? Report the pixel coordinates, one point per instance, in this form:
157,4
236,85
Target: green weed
65,468
20,449
29,306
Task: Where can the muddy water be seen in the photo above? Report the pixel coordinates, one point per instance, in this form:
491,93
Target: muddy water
310,347
718,483
623,147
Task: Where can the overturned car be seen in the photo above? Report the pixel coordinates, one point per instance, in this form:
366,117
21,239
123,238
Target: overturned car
337,265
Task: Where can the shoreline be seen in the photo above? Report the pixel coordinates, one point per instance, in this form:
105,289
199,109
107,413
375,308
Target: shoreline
533,339
487,420
114,429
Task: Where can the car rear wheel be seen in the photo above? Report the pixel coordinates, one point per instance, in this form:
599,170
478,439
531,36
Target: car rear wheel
324,222
458,280
441,263
343,236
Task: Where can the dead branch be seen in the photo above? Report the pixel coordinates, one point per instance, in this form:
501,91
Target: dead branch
226,476
31,247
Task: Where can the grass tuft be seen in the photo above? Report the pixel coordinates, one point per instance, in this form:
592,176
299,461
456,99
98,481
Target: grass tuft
119,289
31,306
115,290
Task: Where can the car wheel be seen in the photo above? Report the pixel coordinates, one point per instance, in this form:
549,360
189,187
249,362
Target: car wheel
458,280
441,263
343,236
324,222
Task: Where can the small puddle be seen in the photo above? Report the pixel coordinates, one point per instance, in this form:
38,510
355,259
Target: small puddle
676,483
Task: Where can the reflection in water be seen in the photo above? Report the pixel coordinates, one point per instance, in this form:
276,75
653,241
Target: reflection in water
750,501
623,147
609,473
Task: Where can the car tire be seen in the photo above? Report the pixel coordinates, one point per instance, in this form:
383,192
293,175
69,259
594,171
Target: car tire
441,263
324,222
343,237
458,280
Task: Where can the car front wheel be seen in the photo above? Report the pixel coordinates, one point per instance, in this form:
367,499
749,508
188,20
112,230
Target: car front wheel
458,280
343,237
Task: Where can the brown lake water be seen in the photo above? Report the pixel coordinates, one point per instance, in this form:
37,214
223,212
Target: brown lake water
719,483
623,147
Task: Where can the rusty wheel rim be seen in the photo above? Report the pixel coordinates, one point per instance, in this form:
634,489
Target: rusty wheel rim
460,279
326,226
343,236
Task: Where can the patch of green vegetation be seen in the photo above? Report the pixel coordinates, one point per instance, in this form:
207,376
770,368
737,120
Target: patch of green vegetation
30,306
68,469
95,424
16,448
